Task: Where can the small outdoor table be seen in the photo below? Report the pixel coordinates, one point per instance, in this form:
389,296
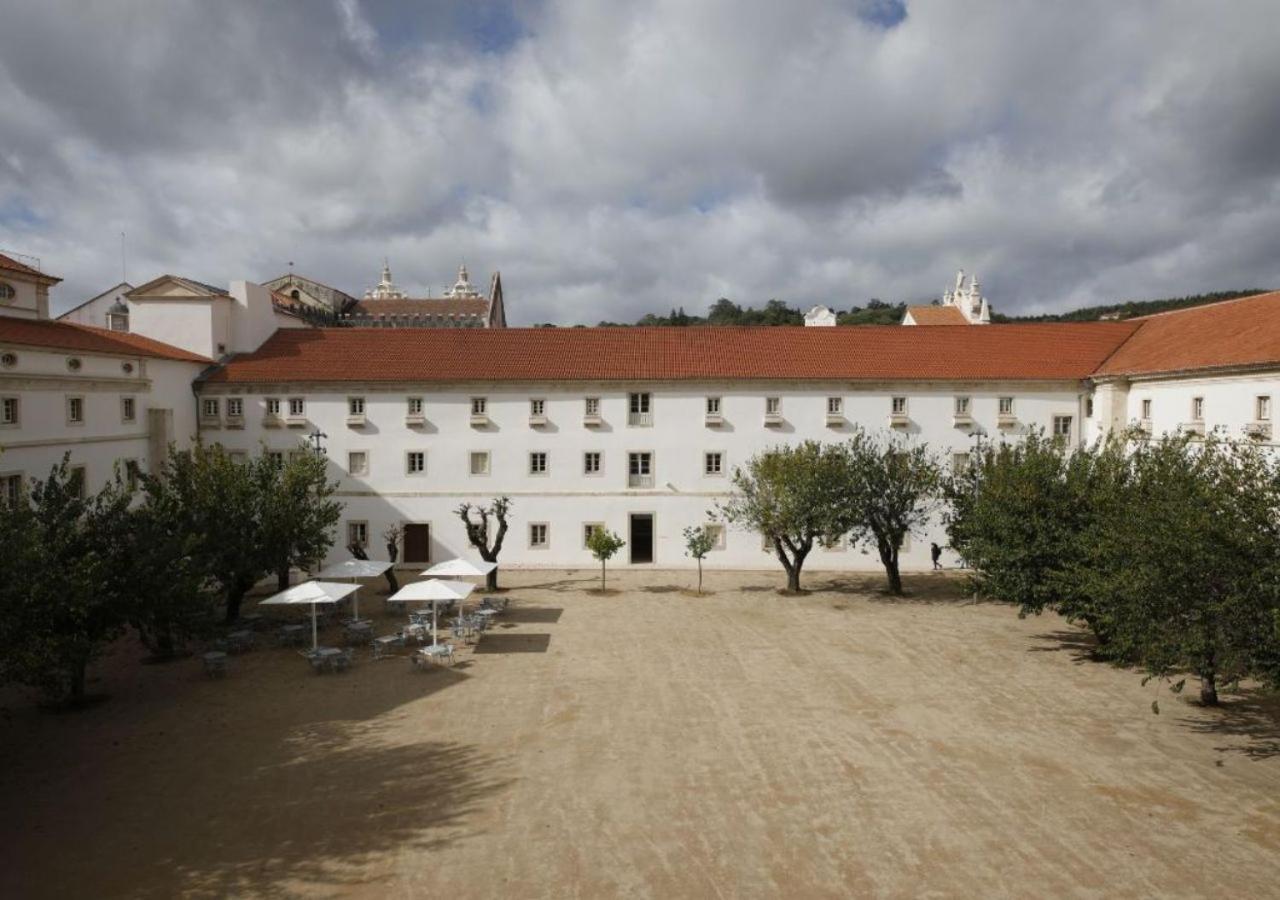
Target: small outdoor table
436,653
239,641
252,620
292,635
382,645
359,632
215,664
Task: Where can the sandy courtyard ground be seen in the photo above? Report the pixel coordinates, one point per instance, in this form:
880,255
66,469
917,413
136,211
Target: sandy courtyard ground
654,744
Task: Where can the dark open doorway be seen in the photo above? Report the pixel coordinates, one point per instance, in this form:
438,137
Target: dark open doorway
417,543
641,537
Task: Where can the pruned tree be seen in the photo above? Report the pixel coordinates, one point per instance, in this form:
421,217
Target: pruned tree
603,544
699,540
392,536
895,490
792,495
475,519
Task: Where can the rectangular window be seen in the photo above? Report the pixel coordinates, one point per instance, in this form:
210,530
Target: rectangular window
772,406
640,470
898,406
537,407
538,534
713,463
835,406
128,409
588,529
415,406
358,462
591,462
297,407
235,407
640,409
9,411
11,489
591,406
1146,408
357,534
959,463
239,457
538,463
1088,407
1262,408
713,406
480,462
275,457
1197,409
131,471
296,454
1062,426
717,535
415,462
79,476
273,406
962,406
355,406
210,408
479,406
75,410
1006,406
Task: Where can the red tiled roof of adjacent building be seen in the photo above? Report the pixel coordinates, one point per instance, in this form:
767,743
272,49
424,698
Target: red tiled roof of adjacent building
1043,352
937,315
1233,333
52,335
10,264
424,306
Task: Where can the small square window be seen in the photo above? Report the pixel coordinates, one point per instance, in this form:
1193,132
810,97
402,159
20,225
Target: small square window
355,406
128,409
273,406
537,407
235,407
75,410
9,411
479,406
772,406
713,463
962,406
415,406
959,463
358,462
1262,408
835,406
1006,406
539,534
275,457
10,489
717,535
357,534
239,457
538,463
416,462
898,406
588,529
480,462
591,406
592,462
640,403
1062,426
713,406
210,408
1197,409
297,407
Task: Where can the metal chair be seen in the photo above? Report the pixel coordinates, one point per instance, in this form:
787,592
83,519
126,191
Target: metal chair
215,664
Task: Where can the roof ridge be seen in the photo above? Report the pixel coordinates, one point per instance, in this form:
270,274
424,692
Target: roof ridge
1187,309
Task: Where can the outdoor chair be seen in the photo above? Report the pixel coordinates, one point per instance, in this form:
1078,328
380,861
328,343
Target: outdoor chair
382,646
358,633
434,654
240,641
343,661
497,604
215,664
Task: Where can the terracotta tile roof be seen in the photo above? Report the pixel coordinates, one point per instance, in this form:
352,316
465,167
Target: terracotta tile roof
1242,332
87,339
10,264
425,306
937,315
1058,351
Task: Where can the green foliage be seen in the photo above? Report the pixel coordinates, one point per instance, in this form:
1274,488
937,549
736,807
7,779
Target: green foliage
699,540
297,512
894,490
62,598
792,495
603,544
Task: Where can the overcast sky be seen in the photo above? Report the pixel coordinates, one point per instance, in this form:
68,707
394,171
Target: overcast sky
618,158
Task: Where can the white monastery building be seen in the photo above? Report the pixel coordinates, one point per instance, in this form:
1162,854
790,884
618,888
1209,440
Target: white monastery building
633,429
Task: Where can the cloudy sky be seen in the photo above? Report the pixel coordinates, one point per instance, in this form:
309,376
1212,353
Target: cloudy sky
624,157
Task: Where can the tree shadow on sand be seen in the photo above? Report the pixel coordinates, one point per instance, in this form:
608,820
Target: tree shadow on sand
1082,645
1251,715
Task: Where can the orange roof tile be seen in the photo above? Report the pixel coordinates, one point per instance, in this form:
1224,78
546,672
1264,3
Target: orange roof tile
937,315
87,339
1244,332
1057,351
10,264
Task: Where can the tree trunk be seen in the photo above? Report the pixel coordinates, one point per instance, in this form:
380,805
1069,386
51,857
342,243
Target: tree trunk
602,576
491,580
282,577
793,579
234,596
699,577
391,580
1209,680
164,643
889,558
76,683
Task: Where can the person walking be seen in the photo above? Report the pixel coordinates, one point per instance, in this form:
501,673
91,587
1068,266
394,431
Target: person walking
936,552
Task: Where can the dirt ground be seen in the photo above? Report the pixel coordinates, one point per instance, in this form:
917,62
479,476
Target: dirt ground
654,744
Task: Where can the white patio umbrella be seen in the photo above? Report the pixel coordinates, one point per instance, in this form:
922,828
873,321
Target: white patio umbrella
355,568
433,591
313,592
459,568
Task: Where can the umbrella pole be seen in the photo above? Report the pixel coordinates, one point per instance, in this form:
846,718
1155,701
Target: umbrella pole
315,639
355,600
435,634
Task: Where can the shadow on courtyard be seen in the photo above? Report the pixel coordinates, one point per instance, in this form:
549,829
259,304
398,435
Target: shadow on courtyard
1249,716
1082,645
513,643
532,615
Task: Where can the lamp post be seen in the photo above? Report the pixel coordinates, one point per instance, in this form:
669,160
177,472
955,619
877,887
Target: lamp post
316,437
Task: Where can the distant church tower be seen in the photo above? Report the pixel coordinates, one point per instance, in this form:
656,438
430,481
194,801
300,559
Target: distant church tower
969,300
386,288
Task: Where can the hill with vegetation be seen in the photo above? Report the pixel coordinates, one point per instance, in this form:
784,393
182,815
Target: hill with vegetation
877,312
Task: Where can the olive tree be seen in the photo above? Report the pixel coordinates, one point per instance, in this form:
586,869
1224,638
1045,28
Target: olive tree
894,490
792,495
475,519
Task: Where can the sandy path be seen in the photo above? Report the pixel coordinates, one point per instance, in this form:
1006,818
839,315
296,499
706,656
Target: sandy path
652,744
